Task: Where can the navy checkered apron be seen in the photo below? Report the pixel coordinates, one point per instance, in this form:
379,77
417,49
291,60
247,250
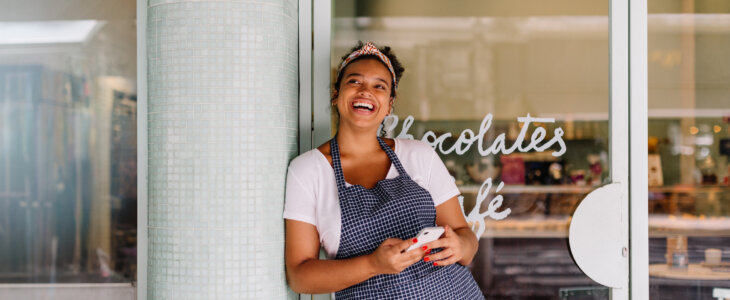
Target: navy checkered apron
394,208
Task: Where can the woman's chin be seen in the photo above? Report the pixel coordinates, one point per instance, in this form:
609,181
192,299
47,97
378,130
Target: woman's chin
363,125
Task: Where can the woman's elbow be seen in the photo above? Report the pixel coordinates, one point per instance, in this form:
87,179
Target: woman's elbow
294,280
293,285
296,288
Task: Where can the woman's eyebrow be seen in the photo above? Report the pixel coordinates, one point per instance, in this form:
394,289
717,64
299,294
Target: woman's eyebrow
358,74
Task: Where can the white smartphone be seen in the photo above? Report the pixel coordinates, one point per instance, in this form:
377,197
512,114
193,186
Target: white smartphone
427,235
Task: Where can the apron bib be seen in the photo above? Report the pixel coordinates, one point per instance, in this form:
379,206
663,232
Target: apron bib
394,208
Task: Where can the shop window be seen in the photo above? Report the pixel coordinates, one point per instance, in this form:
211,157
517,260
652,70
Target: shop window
689,134
68,150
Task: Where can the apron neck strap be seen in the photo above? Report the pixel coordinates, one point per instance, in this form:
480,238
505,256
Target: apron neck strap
337,164
393,158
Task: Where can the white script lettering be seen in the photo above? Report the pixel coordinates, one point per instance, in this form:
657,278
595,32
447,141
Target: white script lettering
467,138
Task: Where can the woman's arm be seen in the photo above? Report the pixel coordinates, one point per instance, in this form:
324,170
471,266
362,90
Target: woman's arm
306,273
459,243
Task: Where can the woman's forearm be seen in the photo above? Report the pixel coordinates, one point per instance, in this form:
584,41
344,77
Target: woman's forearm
315,276
469,243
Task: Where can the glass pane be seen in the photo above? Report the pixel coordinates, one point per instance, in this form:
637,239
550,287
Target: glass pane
494,63
68,141
689,145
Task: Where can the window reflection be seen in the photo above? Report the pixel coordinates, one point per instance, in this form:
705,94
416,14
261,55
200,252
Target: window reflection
68,145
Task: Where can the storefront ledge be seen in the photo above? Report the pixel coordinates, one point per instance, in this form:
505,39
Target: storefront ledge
68,291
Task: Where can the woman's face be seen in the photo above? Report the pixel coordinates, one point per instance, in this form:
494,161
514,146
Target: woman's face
363,100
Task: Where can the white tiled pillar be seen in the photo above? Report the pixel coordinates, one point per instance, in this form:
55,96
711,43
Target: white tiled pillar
222,125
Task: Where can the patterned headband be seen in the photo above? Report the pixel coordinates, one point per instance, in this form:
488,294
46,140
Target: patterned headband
369,49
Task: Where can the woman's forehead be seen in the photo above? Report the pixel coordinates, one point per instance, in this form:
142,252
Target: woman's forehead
367,66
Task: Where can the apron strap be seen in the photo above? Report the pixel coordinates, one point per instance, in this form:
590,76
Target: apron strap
337,165
393,159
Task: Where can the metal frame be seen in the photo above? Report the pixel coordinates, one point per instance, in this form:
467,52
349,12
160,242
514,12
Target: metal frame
638,152
618,116
321,50
142,242
305,75
315,38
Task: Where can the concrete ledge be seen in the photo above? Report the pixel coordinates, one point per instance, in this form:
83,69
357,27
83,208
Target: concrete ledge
68,291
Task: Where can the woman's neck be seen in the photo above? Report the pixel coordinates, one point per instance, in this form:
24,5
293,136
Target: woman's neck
356,142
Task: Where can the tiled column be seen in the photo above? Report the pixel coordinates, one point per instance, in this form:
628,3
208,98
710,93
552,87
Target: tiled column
222,124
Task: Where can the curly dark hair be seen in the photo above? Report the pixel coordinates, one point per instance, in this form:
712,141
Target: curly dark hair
397,66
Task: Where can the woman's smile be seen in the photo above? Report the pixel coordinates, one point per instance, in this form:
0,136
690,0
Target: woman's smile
363,107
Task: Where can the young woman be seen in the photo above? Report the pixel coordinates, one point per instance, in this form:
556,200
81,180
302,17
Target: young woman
364,199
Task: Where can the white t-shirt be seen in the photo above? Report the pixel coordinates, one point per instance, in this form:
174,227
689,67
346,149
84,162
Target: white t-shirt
311,190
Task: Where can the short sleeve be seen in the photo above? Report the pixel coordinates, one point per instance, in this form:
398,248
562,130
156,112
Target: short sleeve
440,183
299,203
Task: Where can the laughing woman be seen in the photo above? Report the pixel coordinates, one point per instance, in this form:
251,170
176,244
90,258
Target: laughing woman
364,199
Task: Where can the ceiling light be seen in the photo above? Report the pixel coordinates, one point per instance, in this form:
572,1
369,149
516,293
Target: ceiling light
48,32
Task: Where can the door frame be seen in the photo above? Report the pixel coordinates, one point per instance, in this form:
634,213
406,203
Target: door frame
638,150
628,117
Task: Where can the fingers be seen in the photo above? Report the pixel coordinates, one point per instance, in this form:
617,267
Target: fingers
440,243
444,240
402,246
443,254
450,245
447,261
413,255
391,258
445,257
393,243
407,258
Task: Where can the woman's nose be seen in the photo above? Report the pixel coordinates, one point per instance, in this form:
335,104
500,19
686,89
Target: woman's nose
364,89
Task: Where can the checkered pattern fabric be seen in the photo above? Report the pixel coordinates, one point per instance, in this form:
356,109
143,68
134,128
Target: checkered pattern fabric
394,208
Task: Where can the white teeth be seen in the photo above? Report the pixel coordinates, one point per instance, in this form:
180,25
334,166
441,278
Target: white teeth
363,105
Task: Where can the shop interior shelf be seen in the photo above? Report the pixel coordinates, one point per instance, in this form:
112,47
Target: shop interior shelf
575,189
557,227
533,189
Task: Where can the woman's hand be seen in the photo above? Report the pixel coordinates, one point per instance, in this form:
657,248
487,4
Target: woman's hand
391,257
452,249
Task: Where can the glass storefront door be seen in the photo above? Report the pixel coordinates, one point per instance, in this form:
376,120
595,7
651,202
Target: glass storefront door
689,145
530,81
